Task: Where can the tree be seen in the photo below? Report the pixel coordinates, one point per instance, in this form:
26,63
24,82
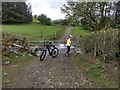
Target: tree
35,16
90,15
16,12
0,13
117,15
60,22
44,19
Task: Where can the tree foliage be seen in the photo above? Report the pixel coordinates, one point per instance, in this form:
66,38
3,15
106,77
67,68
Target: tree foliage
60,22
16,12
0,13
44,19
91,15
117,18
35,16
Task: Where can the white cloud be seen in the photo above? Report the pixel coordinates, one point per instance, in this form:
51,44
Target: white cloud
49,7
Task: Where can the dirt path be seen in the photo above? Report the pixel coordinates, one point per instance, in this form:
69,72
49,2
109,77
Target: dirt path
66,34
59,72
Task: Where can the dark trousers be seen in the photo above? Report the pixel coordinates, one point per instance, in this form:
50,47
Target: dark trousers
68,49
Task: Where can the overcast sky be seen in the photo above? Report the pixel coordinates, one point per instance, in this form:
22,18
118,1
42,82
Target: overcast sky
51,8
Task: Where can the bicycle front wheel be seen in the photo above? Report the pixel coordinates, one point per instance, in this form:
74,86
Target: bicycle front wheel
43,54
54,52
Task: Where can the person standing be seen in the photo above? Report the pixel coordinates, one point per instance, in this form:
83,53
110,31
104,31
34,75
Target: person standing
68,45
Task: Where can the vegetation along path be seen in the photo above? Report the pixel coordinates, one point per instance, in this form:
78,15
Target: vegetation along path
59,72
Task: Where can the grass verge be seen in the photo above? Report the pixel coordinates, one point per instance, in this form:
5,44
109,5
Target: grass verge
18,64
103,75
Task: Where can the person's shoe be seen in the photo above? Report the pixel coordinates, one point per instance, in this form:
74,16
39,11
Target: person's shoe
66,54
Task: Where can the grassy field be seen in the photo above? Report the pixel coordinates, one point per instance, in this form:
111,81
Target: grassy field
77,31
31,30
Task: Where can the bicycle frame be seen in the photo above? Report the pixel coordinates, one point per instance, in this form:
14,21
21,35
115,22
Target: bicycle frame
48,47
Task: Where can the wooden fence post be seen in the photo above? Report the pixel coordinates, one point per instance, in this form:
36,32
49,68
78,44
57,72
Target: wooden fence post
41,34
55,37
23,41
28,44
95,44
77,40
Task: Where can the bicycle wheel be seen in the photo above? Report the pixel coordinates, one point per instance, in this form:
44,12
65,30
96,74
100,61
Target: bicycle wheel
54,52
43,54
